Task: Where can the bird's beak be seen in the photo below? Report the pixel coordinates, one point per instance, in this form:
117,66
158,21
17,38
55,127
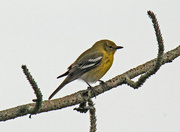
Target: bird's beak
118,47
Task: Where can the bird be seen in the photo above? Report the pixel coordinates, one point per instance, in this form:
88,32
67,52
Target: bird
91,65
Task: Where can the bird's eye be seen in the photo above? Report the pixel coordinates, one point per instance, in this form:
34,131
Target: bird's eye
110,46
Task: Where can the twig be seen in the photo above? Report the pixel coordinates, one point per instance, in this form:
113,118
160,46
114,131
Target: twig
159,59
36,90
92,116
83,109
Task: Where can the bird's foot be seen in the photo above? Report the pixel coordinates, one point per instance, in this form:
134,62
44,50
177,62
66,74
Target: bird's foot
91,89
104,85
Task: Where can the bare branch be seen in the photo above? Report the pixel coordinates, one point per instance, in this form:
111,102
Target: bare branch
92,116
36,90
79,97
159,60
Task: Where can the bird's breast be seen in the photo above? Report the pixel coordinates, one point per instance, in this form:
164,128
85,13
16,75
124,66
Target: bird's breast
98,72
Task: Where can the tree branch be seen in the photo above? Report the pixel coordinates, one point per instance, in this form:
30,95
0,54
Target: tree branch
92,116
80,96
37,91
159,60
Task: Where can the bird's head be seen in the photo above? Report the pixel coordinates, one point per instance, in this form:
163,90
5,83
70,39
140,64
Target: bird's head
107,45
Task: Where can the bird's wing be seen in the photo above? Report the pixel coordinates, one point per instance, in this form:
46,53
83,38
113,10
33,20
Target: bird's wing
82,65
91,61
85,63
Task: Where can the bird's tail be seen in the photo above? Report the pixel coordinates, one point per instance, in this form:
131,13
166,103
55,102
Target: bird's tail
59,88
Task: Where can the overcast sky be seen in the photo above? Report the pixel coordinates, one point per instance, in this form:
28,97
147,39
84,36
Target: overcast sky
48,36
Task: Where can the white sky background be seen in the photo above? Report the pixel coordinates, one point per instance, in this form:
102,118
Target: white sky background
48,36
